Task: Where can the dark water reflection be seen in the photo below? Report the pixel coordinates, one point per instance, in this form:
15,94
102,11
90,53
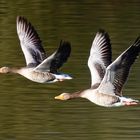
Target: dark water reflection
28,110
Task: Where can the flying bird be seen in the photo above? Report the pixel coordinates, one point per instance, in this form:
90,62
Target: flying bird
39,68
107,77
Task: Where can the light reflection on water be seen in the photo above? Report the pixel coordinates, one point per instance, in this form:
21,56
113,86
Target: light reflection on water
28,109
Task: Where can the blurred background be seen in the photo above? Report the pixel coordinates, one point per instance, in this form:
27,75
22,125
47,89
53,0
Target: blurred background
28,110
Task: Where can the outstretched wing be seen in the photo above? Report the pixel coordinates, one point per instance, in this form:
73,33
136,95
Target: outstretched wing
100,57
117,73
30,42
57,59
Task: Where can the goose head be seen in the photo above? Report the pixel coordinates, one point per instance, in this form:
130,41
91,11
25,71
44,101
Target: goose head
63,96
4,70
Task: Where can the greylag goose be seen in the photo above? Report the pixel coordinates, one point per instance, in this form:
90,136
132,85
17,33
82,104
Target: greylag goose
39,68
107,78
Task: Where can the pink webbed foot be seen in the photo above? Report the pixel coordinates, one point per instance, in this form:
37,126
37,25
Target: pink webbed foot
130,103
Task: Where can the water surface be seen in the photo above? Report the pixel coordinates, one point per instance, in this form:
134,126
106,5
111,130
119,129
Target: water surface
28,110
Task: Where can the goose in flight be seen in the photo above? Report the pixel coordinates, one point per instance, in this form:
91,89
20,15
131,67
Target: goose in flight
107,78
39,68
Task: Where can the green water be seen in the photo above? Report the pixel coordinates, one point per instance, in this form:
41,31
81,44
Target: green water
28,110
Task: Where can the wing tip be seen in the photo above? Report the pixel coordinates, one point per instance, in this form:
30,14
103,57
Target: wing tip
23,25
62,55
21,19
137,42
135,47
101,35
102,31
29,37
65,45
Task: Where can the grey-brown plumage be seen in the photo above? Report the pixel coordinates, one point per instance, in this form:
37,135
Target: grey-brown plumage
107,79
61,56
39,67
100,56
30,42
118,71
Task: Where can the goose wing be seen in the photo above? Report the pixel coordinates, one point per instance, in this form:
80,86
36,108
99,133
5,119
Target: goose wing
30,42
57,59
117,72
100,57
